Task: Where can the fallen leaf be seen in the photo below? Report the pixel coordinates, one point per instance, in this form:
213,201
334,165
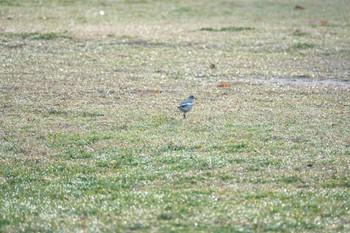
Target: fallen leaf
224,84
316,23
324,23
298,7
153,92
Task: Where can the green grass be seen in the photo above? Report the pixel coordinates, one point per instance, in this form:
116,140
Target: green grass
227,29
302,45
38,35
91,139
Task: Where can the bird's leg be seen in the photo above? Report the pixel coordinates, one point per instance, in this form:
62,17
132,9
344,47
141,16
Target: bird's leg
184,115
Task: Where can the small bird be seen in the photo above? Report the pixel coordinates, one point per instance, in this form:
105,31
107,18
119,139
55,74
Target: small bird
186,105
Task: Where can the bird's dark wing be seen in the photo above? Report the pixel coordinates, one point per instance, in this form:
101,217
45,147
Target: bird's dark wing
184,105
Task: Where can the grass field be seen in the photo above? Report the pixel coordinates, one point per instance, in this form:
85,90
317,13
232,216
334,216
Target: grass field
91,139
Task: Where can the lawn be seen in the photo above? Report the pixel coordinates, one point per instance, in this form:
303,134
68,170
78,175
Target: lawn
91,139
